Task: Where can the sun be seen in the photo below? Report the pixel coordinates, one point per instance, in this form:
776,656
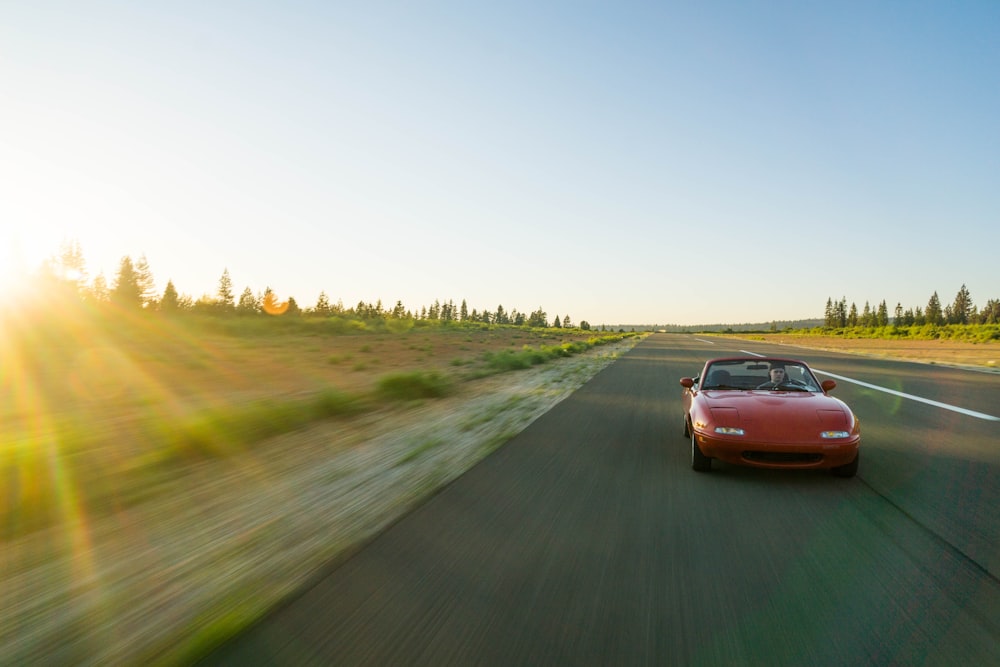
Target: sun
19,264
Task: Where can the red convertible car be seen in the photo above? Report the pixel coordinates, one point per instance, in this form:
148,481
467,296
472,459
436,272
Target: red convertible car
768,413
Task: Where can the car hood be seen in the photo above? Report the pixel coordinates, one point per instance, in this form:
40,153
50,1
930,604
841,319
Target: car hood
778,417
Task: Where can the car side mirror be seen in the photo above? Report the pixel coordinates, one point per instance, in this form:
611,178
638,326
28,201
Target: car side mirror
828,384
687,383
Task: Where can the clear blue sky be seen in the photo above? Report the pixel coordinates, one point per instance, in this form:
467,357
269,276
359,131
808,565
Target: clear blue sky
618,162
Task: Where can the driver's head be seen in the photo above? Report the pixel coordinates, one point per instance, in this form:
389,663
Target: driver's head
777,372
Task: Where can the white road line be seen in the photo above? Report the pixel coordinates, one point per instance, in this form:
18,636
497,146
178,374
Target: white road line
953,408
919,399
710,342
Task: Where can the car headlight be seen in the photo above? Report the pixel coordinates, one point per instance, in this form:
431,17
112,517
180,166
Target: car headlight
829,435
728,430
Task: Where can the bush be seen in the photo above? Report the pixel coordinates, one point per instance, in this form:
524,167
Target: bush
413,385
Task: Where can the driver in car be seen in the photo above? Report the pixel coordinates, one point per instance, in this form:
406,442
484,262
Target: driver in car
776,375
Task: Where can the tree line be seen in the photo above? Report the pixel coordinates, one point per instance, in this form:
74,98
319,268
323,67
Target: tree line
133,290
960,311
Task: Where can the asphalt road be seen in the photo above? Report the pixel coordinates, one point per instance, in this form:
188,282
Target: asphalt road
588,539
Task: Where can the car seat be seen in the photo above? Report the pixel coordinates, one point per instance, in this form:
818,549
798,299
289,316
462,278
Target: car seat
718,378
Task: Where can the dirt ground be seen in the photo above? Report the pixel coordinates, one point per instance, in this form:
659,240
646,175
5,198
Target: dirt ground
216,546
982,356
161,580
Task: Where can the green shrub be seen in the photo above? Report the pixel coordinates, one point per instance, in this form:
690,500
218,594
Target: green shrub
413,385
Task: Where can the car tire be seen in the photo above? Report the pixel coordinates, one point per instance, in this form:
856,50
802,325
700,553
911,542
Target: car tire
848,469
699,461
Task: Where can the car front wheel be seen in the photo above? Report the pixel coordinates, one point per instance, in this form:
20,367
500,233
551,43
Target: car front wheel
699,461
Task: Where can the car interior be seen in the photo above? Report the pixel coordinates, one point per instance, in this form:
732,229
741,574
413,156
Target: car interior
750,374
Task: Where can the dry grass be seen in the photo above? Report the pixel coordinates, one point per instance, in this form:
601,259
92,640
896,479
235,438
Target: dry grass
983,356
216,541
214,544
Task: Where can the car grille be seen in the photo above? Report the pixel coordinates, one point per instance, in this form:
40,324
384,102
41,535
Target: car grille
782,457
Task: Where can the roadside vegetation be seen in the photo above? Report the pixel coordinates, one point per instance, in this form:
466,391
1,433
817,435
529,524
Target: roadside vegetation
102,400
959,321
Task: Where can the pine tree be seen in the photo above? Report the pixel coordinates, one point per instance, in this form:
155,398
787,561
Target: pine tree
99,291
169,301
144,279
126,293
322,305
557,324
961,310
991,312
463,312
226,298
248,304
538,319
852,317
933,313
71,266
883,314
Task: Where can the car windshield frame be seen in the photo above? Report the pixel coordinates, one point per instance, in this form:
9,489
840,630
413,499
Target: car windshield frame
753,374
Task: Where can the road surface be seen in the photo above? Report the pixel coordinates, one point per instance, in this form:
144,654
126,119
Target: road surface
588,539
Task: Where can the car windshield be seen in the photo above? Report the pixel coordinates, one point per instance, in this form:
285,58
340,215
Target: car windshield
765,374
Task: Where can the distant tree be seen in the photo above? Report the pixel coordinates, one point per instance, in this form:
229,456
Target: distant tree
127,294
883,314
867,317
829,314
398,311
463,312
71,266
501,316
566,323
293,309
585,325
852,316
99,292
933,313
557,324
961,309
169,302
322,305
225,293
248,304
991,312
144,279
538,318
